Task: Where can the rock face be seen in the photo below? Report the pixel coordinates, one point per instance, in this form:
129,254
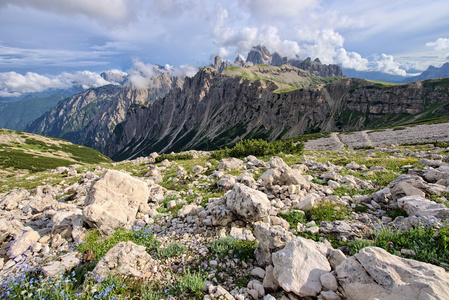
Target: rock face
113,201
127,259
23,242
90,117
249,204
299,266
374,273
261,55
203,116
421,207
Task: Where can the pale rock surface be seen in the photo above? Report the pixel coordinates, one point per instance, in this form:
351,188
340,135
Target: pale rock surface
330,295
226,182
270,238
127,259
373,273
22,242
269,282
299,266
407,185
9,229
309,202
329,282
248,204
113,201
220,215
281,174
230,164
421,207
64,263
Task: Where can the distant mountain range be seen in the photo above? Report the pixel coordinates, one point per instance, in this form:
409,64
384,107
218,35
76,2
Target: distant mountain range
267,96
431,73
215,109
17,114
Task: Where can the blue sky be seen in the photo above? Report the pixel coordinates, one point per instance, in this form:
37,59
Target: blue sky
51,40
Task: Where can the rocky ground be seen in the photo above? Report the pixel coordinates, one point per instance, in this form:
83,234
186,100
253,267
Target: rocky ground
383,137
282,227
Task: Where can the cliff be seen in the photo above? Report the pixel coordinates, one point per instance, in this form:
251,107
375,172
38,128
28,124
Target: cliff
90,117
213,110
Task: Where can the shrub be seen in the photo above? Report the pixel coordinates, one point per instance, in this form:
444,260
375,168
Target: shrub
293,218
429,243
259,148
327,212
242,249
179,156
100,246
174,249
190,283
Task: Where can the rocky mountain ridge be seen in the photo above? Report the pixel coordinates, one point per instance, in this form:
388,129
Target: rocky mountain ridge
260,55
432,72
90,117
213,110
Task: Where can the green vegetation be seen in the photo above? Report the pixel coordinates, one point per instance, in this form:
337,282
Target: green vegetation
241,249
179,156
100,246
259,148
174,249
20,160
36,154
327,212
429,244
191,284
293,218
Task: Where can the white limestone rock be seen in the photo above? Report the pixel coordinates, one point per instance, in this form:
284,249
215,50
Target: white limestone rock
126,259
373,273
299,266
113,201
248,204
421,207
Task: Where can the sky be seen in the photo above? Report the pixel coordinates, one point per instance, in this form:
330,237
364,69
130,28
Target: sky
57,43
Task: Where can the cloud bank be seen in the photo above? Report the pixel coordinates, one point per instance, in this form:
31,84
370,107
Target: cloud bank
108,12
13,84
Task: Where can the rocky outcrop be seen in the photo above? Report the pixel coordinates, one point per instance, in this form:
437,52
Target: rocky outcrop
114,200
249,204
261,55
90,117
299,266
125,259
214,110
374,273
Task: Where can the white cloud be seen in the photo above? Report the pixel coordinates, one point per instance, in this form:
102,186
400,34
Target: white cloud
13,84
280,8
109,12
141,74
441,46
386,64
351,60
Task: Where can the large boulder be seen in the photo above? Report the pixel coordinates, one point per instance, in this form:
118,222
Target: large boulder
271,239
281,174
373,273
421,207
113,201
407,185
299,266
248,204
230,164
23,242
126,259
